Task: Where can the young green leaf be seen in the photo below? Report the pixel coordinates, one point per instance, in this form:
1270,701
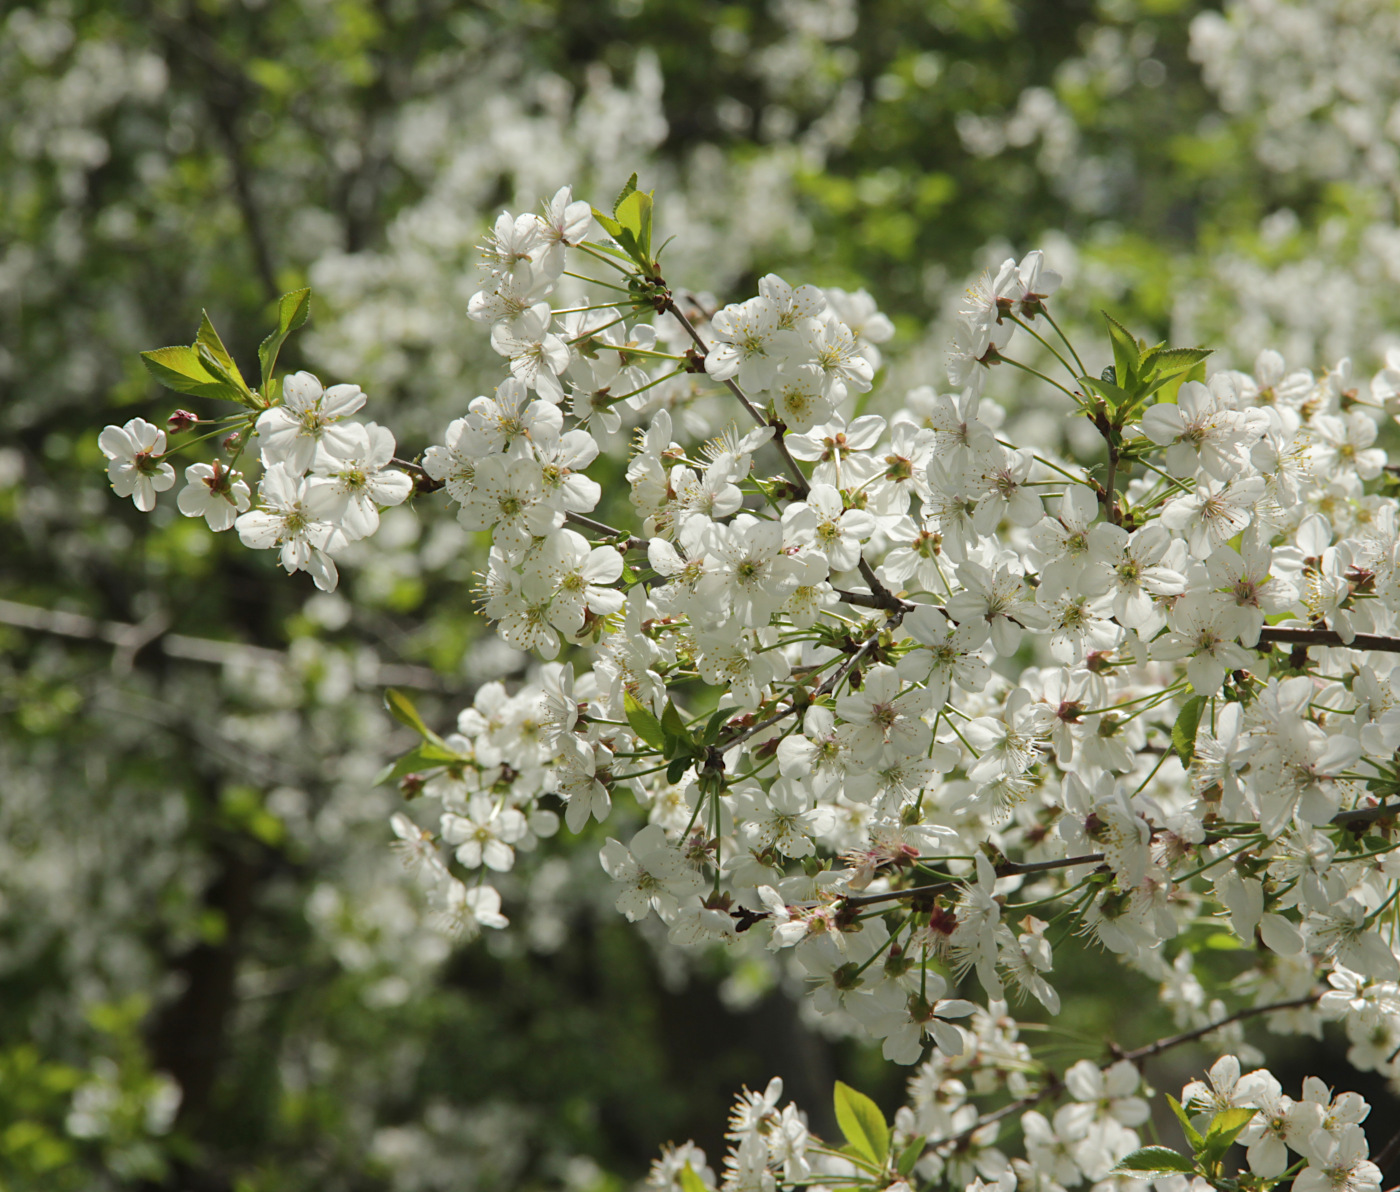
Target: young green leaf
419,758
714,724
690,1182
862,1123
292,312
1188,720
910,1155
1154,1162
1225,1127
402,710
1193,1136
178,368
607,223
634,214
677,735
624,192
207,338
643,722
1116,397
1126,354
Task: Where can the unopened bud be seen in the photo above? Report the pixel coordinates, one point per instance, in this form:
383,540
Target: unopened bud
181,420
234,442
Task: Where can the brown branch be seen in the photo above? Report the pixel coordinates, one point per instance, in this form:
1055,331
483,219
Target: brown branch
1279,634
1365,815
1142,1053
422,482
1387,1155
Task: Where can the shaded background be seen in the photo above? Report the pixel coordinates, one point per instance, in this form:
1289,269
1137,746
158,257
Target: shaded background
213,973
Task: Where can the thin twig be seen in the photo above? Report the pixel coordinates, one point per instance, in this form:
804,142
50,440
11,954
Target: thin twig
827,687
422,482
190,649
1005,869
587,523
702,352
1162,1045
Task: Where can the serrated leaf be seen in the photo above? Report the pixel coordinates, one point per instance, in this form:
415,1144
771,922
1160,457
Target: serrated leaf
1115,395
292,311
215,357
672,724
1193,1136
644,723
1126,354
624,192
713,725
178,368
1171,361
1172,388
689,1181
1152,1162
231,381
634,214
862,1123
607,223
910,1155
1228,1123
402,710
1188,720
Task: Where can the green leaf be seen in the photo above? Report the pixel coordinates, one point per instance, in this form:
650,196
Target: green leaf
414,760
627,190
1115,395
1166,363
609,225
1193,1136
1126,354
1172,388
634,214
910,1155
714,724
231,381
690,1182
1188,720
214,356
1225,1127
402,710
677,735
178,368
644,723
862,1123
676,770
292,311
1152,1162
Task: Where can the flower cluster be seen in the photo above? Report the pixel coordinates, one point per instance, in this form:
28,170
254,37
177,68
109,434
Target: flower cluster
325,476
888,687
